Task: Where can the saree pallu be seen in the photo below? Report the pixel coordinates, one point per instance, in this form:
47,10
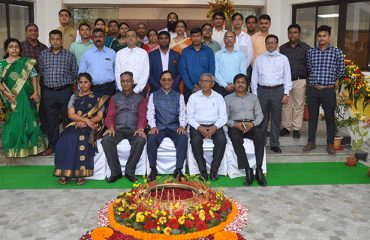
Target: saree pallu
179,46
21,133
74,151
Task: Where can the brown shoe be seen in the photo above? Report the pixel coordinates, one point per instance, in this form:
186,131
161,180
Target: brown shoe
330,149
309,147
80,181
63,180
48,152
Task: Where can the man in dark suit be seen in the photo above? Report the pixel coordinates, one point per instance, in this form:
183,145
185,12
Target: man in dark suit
164,59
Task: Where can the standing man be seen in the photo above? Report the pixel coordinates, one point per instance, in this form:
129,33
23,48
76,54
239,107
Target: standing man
172,19
195,60
258,38
58,68
219,30
272,82
325,66
207,115
251,23
125,120
32,47
207,38
245,116
164,59
141,33
296,52
99,62
135,60
69,32
113,30
229,62
79,47
166,117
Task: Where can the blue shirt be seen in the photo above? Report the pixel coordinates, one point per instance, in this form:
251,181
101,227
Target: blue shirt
99,64
194,63
325,67
228,64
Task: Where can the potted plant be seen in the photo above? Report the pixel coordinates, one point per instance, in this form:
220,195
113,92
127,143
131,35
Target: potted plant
342,120
359,131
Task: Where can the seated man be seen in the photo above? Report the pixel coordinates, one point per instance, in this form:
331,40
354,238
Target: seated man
126,119
166,118
207,115
245,114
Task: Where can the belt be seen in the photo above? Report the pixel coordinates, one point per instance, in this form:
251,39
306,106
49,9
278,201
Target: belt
102,85
270,87
299,78
58,88
243,120
319,87
206,125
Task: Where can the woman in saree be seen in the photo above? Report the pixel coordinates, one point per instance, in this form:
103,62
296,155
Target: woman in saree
181,41
21,133
153,41
121,41
74,151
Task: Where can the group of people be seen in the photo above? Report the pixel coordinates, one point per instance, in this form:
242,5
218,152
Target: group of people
147,85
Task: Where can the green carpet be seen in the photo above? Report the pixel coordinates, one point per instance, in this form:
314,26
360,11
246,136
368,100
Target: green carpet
279,174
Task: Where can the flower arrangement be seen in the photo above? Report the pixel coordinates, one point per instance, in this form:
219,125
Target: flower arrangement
225,6
359,131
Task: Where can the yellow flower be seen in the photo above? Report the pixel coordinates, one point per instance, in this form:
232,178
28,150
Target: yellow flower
181,220
190,216
202,217
132,215
211,213
140,217
162,220
135,185
163,213
121,209
132,207
167,231
147,213
158,228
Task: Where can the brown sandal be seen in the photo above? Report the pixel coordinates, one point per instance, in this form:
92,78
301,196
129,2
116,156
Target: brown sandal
80,181
63,180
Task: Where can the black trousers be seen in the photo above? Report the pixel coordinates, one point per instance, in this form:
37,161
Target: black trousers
219,141
327,98
56,104
110,143
105,89
257,135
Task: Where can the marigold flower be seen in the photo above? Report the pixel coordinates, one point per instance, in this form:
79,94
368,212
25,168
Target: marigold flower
167,231
101,233
162,220
225,235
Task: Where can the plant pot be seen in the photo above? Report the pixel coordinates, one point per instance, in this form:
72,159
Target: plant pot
306,114
361,156
338,143
346,141
351,161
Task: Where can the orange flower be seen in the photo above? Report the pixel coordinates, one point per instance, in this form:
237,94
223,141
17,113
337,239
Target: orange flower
225,235
101,233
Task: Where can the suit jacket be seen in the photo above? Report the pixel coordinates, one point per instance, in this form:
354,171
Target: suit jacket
155,63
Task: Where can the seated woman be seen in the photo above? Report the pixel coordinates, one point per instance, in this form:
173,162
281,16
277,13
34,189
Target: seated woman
74,151
181,41
21,133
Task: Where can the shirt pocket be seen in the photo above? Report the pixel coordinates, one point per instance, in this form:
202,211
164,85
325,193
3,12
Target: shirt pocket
108,64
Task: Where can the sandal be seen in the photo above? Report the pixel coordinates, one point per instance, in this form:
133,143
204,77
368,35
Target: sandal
80,181
63,180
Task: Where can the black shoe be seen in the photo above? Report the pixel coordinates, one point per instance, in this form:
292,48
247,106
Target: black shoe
260,177
131,178
112,179
248,177
178,174
153,174
214,176
276,149
296,134
204,176
284,132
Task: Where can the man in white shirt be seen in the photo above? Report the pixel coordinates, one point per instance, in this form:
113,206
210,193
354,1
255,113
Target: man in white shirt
132,59
271,82
207,115
219,30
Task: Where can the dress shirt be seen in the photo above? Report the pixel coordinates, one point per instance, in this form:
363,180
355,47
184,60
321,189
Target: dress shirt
228,64
99,64
244,44
68,35
28,50
215,46
271,69
173,34
259,47
297,57
150,115
78,48
243,107
206,110
165,58
135,60
58,69
218,36
325,67
194,63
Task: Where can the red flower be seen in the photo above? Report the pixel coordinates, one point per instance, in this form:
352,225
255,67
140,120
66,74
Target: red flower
173,224
208,217
189,224
178,213
200,225
149,224
125,215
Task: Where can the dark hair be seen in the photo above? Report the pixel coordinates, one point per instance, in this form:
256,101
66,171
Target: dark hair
127,73
113,21
240,75
235,15
132,30
96,30
227,31
152,30
6,44
183,22
86,75
99,20
324,28
249,17
164,33
295,26
65,10
141,23
272,36
123,23
195,30
30,25
265,17
204,25
168,15
56,32
164,72
84,24
220,14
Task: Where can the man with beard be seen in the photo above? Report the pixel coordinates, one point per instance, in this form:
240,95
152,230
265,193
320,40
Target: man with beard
141,33
172,19
164,59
